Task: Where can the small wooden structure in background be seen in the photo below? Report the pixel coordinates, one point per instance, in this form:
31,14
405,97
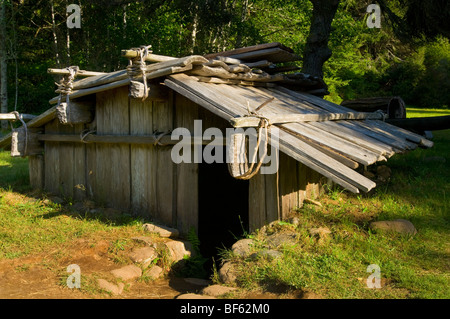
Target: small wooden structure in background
119,153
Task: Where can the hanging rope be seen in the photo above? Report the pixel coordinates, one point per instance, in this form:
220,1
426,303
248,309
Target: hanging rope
85,133
159,137
137,67
19,118
252,170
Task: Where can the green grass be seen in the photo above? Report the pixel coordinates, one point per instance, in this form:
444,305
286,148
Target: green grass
335,267
420,112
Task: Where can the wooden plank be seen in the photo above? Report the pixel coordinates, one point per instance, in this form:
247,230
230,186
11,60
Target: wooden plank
113,160
163,177
357,137
131,54
257,202
288,186
141,156
303,130
186,180
37,171
203,70
12,117
52,162
249,49
79,167
252,121
272,54
410,136
272,196
79,72
66,159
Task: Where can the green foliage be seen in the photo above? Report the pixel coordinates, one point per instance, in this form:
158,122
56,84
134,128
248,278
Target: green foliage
194,265
365,62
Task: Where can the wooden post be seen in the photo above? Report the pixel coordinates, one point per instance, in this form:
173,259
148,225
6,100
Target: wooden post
24,142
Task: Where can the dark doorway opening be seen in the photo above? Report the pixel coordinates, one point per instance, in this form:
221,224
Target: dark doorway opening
223,210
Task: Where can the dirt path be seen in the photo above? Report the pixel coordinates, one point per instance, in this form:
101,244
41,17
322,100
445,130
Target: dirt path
43,276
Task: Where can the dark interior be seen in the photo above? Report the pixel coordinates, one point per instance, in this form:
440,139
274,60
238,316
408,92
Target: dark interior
223,208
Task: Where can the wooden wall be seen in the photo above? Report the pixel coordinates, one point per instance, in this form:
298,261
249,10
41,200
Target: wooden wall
143,178
275,196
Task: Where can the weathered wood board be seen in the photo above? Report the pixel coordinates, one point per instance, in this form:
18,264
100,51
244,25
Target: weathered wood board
112,170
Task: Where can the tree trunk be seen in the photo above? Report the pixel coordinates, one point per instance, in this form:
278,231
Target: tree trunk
3,64
55,37
316,49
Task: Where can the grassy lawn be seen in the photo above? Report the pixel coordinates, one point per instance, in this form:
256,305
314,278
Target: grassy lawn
335,267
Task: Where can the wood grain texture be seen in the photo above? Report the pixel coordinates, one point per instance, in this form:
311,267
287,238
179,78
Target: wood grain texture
113,160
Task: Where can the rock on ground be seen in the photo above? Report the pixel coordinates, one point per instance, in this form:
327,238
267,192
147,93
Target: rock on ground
177,250
110,287
162,231
193,296
242,247
402,226
129,272
227,273
278,239
154,272
143,255
217,290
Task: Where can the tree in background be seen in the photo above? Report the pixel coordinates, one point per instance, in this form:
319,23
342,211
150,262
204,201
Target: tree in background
316,51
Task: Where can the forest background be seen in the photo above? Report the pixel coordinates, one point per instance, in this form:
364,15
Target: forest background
365,61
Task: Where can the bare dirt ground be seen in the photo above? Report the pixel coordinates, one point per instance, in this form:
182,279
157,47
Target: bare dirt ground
43,276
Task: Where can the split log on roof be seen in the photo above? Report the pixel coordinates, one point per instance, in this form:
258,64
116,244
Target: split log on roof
275,55
249,49
13,117
204,70
253,121
120,78
79,72
122,74
132,54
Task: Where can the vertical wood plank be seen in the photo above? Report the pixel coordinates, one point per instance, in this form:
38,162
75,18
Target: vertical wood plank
36,169
288,184
302,182
186,173
272,197
113,160
79,167
52,162
163,173
257,202
66,158
141,124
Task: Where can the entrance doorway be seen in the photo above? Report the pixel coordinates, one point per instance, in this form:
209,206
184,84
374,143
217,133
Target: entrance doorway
223,208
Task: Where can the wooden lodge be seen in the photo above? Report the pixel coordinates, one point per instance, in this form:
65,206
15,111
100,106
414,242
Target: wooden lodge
108,137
